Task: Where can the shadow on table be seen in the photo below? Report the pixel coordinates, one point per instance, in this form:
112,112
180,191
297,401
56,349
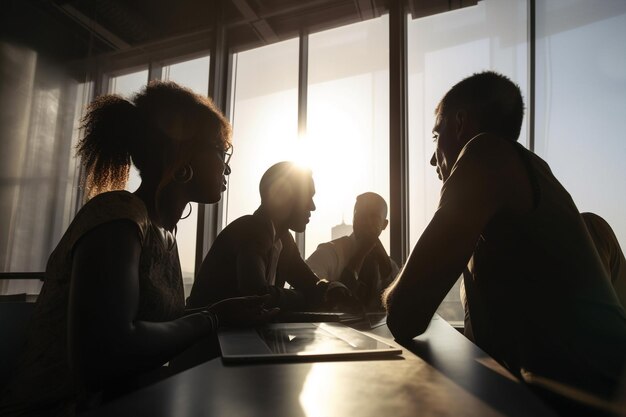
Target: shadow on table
449,352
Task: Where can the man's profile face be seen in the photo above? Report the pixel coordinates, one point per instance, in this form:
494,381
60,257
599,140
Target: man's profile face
368,221
302,208
446,146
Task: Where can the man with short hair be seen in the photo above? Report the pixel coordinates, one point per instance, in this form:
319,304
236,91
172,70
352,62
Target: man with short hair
256,254
539,300
359,260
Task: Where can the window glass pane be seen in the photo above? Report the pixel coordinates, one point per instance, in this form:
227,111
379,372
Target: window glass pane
581,102
265,120
442,50
126,85
193,74
40,110
347,142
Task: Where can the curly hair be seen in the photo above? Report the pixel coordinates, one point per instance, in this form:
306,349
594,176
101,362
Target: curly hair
158,130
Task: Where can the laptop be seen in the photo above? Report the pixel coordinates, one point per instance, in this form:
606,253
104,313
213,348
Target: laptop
300,341
362,321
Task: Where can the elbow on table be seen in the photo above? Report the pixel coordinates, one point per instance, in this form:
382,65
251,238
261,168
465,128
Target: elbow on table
405,326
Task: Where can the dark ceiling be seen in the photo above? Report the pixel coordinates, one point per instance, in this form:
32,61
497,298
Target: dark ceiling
71,30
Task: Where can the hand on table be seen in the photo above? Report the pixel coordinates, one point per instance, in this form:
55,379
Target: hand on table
339,298
243,311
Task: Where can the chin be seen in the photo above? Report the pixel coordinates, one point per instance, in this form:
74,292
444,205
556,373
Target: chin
216,199
211,199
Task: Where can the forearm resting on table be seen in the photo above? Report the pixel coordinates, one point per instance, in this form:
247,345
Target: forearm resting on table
142,346
432,269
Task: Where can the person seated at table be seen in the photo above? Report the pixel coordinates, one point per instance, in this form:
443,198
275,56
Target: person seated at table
539,299
610,252
256,254
112,308
360,257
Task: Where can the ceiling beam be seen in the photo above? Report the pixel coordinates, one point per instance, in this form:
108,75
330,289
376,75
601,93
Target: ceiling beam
365,8
263,30
94,27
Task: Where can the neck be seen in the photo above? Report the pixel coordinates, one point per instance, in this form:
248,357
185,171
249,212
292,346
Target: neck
170,204
280,225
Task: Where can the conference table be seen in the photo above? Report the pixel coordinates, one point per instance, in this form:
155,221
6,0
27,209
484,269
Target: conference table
440,373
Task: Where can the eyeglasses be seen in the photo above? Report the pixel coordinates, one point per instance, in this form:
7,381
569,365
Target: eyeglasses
225,154
228,153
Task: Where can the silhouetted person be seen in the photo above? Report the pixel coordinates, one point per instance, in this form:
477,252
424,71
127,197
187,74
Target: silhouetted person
610,252
539,298
256,254
359,260
112,306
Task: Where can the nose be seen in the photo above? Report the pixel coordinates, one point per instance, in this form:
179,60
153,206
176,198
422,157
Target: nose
312,206
433,160
227,169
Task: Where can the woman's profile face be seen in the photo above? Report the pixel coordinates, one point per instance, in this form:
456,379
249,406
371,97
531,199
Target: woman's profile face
209,169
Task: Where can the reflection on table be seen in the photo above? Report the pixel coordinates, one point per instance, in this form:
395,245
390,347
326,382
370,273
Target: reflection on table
441,373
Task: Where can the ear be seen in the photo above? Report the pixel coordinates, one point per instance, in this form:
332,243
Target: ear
281,198
461,121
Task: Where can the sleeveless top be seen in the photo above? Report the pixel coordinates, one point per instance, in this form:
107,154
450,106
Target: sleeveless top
539,299
43,383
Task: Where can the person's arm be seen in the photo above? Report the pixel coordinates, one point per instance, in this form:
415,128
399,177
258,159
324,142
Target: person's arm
251,271
393,272
349,275
106,341
323,261
310,289
476,189
315,293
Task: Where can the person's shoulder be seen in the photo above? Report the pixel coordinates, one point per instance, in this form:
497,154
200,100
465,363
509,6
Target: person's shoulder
490,148
341,243
241,222
99,214
111,206
249,224
599,229
326,246
487,157
592,219
334,245
342,239
117,197
248,230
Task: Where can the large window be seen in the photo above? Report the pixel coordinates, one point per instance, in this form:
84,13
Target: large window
581,102
38,174
265,120
442,50
347,141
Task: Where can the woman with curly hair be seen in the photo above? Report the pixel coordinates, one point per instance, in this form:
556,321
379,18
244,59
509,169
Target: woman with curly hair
112,306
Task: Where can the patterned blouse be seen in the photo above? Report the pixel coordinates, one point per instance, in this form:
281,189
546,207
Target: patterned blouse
43,383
